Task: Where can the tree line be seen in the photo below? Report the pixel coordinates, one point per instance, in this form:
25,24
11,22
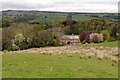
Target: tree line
18,36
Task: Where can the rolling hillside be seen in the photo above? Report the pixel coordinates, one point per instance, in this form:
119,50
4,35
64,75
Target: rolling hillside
45,17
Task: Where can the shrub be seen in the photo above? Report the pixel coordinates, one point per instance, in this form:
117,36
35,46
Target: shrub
100,37
111,39
20,41
95,37
39,43
106,35
118,36
55,43
14,47
61,43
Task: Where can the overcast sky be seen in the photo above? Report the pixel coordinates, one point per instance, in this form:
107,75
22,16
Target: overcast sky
62,5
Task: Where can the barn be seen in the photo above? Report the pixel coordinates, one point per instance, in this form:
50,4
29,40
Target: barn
67,39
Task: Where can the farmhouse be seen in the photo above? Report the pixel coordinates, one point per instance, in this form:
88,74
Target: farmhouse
70,39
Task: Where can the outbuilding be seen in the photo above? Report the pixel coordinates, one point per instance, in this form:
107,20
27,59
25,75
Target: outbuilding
70,39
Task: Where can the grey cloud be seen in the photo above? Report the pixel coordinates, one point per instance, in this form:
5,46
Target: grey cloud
6,5
105,3
64,2
61,6
14,6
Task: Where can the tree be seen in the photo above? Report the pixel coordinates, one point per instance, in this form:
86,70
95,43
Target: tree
67,30
84,36
113,32
69,19
74,29
106,34
5,22
7,37
45,38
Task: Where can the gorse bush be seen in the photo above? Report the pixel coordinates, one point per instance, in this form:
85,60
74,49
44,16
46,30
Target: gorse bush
19,42
14,47
19,38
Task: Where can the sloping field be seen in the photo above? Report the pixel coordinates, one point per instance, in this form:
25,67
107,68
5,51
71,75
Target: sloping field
100,52
70,61
54,66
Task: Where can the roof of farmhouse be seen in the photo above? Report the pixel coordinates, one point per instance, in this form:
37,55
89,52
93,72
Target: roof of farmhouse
70,37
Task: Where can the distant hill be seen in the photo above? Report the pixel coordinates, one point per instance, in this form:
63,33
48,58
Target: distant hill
45,17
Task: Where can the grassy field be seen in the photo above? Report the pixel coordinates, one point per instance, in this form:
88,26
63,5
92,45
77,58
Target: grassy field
104,44
53,66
